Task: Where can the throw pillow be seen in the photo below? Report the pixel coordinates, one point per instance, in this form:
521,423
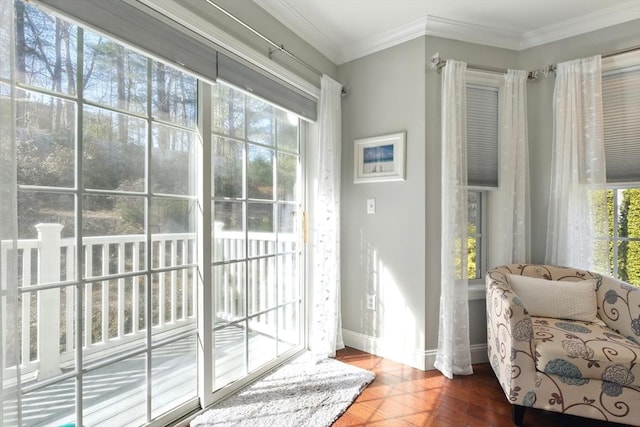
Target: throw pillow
557,299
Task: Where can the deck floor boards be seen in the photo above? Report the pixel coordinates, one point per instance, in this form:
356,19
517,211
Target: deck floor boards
115,395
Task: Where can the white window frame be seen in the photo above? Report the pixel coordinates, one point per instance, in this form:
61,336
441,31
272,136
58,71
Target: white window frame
477,285
616,239
629,60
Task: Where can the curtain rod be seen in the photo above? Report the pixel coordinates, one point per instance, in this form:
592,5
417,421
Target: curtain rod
439,64
552,67
274,47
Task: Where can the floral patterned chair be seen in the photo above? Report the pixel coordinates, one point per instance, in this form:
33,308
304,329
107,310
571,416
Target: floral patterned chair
585,368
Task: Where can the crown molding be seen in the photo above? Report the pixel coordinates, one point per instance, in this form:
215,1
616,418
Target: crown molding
288,15
382,41
473,33
437,26
614,15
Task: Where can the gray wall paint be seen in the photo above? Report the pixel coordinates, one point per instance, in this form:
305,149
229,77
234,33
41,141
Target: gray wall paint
393,90
383,254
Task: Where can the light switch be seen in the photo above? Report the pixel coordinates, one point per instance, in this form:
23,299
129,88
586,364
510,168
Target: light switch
371,206
371,302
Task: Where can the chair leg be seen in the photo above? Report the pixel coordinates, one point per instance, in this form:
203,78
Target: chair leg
518,414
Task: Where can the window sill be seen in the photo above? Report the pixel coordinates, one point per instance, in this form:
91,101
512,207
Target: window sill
477,290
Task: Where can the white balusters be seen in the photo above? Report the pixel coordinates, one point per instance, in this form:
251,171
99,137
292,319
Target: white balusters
121,289
135,292
125,254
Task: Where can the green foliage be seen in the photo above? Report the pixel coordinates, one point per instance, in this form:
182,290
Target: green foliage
627,214
629,227
472,254
260,175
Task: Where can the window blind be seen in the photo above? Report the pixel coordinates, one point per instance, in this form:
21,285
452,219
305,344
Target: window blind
621,110
267,87
144,28
482,136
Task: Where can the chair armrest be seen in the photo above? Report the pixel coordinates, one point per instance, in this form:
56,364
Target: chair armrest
619,306
509,337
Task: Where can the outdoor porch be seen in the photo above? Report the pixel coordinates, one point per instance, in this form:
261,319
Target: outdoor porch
119,299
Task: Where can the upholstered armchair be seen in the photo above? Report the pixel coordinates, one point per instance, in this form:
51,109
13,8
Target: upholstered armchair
549,360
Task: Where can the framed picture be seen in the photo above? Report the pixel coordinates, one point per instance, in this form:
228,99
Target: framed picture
380,158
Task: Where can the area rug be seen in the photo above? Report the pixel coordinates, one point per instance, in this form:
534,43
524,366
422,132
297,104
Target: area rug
299,393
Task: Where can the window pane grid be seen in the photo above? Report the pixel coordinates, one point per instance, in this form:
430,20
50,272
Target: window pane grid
624,234
475,234
125,268
124,195
255,200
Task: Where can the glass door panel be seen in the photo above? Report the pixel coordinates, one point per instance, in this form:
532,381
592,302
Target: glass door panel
123,381
256,173
174,374
229,239
229,300
261,285
107,161
289,332
229,351
262,339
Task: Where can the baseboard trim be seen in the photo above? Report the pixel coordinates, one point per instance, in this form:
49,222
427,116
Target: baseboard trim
419,359
378,346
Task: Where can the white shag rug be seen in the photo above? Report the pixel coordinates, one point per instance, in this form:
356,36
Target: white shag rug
299,393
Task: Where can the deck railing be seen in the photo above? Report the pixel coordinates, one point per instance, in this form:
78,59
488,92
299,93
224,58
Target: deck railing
114,300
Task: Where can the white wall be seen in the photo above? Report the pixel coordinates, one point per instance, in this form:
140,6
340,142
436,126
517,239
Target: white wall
396,253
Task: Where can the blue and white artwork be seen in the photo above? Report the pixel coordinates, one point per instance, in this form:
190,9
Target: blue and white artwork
378,159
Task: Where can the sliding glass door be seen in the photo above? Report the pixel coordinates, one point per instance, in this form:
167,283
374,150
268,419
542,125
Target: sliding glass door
106,146
256,234
107,153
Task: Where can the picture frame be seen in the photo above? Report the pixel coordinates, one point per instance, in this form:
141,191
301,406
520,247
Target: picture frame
379,158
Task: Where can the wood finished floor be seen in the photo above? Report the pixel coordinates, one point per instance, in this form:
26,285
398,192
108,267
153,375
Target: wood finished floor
404,396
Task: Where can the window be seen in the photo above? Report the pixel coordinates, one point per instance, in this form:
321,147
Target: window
476,214
621,109
482,163
482,135
624,234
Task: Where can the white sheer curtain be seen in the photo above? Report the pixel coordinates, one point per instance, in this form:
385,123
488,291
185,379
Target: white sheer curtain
578,220
510,243
9,359
326,325
454,355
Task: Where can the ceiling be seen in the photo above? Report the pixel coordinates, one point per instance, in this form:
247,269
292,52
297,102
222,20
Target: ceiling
347,29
